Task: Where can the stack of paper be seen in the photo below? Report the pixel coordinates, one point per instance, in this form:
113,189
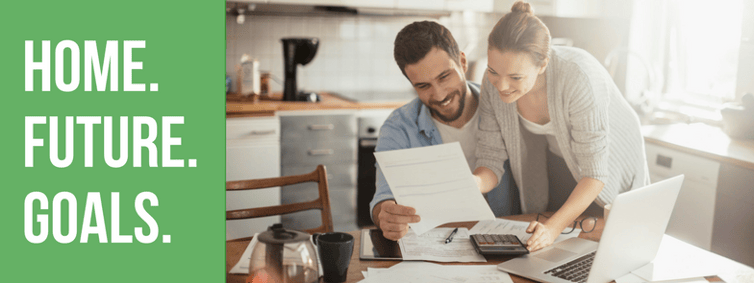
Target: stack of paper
413,272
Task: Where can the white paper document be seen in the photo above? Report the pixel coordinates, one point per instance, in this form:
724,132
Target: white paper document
630,278
633,278
518,228
414,272
682,270
242,266
372,271
431,246
437,182
678,260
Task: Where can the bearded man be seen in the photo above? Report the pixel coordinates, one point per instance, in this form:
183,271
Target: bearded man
445,111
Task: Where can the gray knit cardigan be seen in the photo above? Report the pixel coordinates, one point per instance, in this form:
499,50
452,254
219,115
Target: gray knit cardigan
597,130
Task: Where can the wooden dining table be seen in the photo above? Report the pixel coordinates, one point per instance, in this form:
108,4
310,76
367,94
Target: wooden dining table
235,248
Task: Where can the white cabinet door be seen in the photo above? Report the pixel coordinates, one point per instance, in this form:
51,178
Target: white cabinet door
694,210
370,3
252,152
572,8
693,214
348,3
420,4
484,6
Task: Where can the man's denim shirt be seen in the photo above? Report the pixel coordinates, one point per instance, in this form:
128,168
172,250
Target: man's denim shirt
411,126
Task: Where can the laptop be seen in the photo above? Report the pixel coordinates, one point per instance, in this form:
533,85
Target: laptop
630,240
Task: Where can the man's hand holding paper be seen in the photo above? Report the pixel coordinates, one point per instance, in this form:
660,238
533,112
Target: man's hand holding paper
394,219
435,181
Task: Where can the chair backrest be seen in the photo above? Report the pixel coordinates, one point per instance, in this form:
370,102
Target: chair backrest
322,203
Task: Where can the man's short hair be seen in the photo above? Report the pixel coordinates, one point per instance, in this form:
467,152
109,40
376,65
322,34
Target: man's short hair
415,40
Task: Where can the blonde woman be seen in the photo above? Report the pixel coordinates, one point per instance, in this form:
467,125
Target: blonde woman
558,116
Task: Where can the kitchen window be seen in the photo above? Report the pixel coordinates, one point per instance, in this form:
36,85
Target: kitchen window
694,48
705,37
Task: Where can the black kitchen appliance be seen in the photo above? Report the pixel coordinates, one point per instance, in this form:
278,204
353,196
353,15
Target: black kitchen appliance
296,51
366,180
369,129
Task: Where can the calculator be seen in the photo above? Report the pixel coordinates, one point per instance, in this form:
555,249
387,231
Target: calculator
498,244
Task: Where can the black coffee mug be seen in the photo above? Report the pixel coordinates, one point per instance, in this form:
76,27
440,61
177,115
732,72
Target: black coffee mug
335,250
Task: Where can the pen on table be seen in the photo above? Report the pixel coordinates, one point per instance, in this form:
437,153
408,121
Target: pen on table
450,237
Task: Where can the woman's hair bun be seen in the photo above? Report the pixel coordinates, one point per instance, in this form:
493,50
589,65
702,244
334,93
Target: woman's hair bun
522,7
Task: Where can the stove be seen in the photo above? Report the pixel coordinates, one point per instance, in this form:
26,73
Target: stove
369,124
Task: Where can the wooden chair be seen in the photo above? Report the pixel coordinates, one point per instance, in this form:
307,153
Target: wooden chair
322,203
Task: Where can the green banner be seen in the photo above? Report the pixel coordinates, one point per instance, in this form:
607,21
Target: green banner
112,141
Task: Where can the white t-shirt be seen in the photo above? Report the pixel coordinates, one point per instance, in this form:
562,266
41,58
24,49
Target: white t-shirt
466,136
548,130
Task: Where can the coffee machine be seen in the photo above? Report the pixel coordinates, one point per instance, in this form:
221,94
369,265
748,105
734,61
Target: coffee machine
297,51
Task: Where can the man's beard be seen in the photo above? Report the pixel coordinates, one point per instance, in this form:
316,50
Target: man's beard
454,116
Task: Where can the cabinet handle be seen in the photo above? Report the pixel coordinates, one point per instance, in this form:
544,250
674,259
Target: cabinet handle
260,133
315,152
326,127
664,161
368,142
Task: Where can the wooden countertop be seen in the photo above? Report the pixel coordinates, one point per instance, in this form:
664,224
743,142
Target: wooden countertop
236,106
702,140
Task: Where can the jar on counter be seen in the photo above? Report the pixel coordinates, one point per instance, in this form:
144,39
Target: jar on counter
265,84
249,77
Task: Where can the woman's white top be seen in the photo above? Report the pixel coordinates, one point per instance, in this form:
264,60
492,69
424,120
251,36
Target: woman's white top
547,130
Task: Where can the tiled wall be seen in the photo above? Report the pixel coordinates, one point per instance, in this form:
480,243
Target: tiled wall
355,52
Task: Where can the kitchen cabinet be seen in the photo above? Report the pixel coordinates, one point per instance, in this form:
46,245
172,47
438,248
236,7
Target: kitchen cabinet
420,4
348,3
485,6
734,214
572,8
310,138
252,151
390,4
396,5
693,216
555,8
251,1
717,160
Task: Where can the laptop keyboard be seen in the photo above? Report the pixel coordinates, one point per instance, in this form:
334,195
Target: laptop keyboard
576,270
